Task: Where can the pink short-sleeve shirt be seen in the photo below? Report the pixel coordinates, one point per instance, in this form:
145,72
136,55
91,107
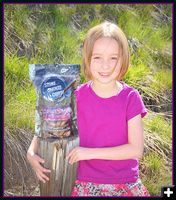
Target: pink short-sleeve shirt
103,122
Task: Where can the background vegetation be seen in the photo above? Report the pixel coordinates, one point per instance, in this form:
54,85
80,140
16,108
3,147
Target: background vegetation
36,33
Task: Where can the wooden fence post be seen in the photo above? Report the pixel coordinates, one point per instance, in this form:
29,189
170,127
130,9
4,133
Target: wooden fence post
63,175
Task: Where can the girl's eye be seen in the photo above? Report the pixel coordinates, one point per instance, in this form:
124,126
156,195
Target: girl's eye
96,57
114,58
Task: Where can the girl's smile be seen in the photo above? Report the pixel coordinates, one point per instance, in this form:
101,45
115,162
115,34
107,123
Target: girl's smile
104,75
105,62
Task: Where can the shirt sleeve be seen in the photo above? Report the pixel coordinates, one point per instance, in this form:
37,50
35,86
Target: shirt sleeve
135,105
78,90
76,94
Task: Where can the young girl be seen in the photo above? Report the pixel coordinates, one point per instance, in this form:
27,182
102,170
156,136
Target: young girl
109,119
109,116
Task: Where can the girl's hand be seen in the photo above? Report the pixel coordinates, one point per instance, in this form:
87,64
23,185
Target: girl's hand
79,153
36,162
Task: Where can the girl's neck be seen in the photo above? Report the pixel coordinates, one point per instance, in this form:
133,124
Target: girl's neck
106,90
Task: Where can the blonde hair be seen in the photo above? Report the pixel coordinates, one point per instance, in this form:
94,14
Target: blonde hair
105,29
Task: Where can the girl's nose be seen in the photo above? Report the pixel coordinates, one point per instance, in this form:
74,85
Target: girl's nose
105,64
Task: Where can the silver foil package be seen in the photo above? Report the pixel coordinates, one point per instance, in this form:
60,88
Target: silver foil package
55,107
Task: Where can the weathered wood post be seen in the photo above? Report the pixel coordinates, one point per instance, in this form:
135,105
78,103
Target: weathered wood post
56,124
63,175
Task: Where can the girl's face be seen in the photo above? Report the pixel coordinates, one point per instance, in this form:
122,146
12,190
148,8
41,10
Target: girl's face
105,62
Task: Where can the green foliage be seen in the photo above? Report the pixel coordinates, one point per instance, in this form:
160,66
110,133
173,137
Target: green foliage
20,113
159,124
162,80
137,71
47,33
155,174
153,163
20,97
16,67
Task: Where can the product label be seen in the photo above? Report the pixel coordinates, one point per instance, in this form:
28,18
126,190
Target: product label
56,105
57,113
53,88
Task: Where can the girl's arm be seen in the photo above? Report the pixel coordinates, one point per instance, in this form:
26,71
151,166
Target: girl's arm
36,161
132,150
33,148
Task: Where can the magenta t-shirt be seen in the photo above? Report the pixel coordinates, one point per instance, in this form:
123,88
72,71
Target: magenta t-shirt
103,122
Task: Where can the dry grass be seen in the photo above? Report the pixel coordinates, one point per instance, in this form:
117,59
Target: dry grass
18,175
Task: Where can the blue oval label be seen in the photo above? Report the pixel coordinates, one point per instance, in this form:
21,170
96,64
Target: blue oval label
53,88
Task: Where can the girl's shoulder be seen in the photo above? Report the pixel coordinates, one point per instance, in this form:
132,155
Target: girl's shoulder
83,88
129,89
133,96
